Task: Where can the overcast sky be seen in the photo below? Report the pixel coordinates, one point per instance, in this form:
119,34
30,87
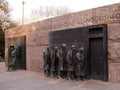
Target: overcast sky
74,5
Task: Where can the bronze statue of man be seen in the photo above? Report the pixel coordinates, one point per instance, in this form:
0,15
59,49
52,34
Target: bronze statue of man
70,60
61,58
56,61
79,70
14,56
52,62
46,58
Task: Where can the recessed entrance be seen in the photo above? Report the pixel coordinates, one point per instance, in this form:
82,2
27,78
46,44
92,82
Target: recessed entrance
21,43
96,58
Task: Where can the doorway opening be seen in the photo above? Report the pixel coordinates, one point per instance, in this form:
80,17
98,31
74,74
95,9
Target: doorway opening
20,43
97,57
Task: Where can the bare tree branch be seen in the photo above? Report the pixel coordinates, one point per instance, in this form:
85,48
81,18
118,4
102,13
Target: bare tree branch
47,12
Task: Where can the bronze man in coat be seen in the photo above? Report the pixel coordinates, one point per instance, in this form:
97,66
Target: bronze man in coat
70,62
61,60
52,62
46,58
79,71
14,58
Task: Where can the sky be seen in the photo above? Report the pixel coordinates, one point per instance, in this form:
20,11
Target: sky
74,5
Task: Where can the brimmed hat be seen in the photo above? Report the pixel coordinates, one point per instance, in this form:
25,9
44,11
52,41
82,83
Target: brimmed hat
63,44
81,49
72,46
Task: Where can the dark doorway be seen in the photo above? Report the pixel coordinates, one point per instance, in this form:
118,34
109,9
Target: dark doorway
21,43
96,58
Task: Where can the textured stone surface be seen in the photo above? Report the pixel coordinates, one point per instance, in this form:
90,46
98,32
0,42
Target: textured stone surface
114,52
37,34
114,43
35,58
6,56
114,72
114,32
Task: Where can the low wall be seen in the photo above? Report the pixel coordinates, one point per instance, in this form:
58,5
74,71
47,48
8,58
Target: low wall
37,35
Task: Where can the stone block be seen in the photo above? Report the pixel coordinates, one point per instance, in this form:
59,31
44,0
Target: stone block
6,56
114,72
31,40
35,58
114,32
114,52
35,65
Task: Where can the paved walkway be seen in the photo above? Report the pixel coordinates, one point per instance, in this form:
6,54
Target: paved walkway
28,80
2,67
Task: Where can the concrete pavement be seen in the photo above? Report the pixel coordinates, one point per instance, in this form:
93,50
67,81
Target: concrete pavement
28,80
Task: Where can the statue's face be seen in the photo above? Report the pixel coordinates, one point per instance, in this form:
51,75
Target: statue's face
78,55
16,46
11,48
63,44
73,47
56,47
81,50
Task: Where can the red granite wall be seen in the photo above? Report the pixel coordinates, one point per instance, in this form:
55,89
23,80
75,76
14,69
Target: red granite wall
37,35
114,52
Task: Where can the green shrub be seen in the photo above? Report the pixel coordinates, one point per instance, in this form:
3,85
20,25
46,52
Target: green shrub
1,59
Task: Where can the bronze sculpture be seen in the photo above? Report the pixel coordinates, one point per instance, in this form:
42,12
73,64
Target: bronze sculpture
14,58
56,61
46,58
61,57
52,62
62,62
79,70
70,63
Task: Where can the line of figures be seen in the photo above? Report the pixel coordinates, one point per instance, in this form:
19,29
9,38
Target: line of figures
64,62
